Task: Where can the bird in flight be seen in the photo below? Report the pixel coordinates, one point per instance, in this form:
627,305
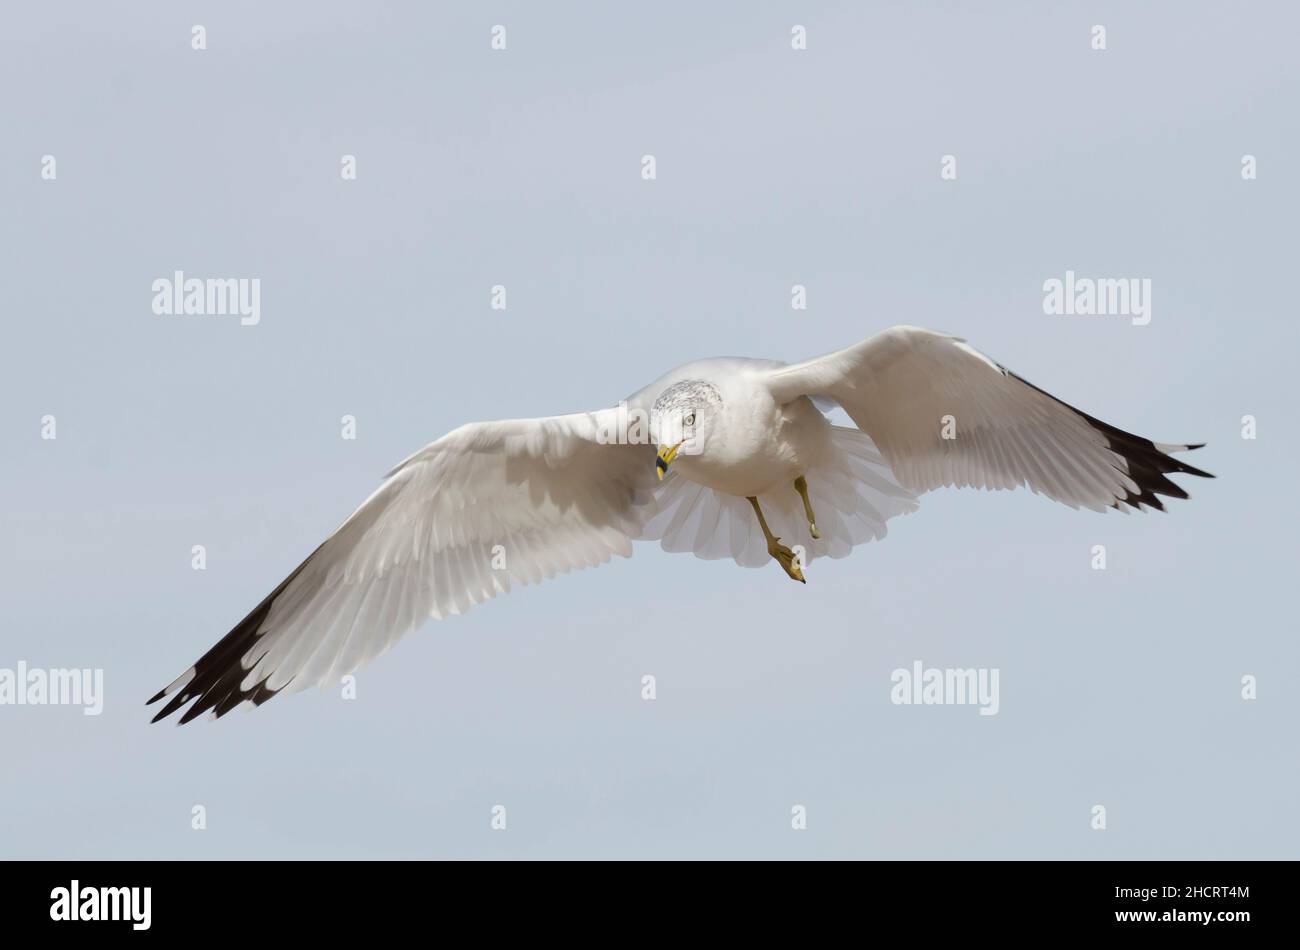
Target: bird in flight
726,458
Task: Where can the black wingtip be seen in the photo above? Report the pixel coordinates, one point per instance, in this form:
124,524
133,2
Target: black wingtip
1146,463
1193,470
216,679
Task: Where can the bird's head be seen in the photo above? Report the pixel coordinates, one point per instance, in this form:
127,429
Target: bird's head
682,419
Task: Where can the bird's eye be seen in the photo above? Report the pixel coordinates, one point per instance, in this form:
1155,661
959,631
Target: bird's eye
689,420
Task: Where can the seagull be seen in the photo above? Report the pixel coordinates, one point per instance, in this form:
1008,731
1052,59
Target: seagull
720,457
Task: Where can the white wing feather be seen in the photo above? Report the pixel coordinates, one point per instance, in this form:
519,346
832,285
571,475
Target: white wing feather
458,522
904,386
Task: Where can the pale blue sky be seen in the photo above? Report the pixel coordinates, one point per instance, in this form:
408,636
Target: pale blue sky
522,168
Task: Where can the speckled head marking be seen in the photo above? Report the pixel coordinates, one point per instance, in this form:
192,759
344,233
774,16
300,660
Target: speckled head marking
681,418
679,402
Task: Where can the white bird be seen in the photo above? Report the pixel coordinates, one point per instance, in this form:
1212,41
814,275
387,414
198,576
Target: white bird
751,458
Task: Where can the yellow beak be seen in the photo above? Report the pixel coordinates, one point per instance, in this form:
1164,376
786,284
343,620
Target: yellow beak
665,458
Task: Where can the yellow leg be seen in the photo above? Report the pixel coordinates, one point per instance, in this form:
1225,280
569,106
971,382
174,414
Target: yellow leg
783,555
801,486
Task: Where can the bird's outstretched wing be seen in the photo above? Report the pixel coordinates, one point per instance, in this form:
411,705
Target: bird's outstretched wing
942,413
485,506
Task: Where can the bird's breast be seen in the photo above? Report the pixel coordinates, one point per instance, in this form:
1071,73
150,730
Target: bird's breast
756,451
